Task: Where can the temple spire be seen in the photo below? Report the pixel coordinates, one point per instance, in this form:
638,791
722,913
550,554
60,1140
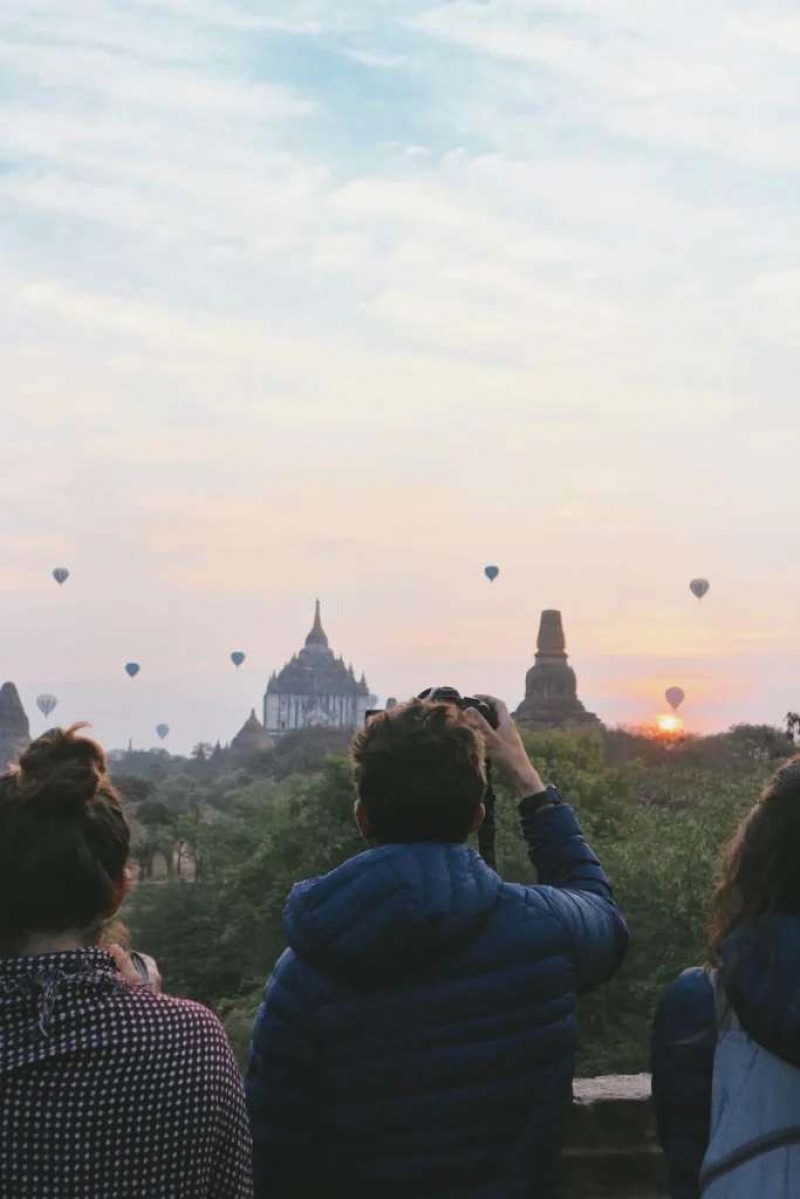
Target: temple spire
551,644
317,638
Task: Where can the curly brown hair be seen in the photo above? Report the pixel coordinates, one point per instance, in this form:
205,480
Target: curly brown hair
64,840
761,862
420,773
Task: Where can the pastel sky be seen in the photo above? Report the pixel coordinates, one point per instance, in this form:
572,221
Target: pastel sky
350,299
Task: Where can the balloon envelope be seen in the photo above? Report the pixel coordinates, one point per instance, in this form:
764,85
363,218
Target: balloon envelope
492,572
60,574
675,697
237,658
162,730
46,703
132,668
700,587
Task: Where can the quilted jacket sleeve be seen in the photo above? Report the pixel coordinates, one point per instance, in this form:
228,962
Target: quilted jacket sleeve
575,889
280,1088
684,1040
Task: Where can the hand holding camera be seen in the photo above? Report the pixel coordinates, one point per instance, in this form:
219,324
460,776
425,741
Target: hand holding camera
504,745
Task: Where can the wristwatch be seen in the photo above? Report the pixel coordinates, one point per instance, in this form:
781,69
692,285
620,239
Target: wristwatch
549,798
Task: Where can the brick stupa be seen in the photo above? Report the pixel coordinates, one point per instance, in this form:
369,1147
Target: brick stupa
551,688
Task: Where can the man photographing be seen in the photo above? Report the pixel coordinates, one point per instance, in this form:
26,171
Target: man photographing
418,1036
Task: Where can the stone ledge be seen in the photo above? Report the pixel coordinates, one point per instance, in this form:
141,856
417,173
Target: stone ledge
611,1147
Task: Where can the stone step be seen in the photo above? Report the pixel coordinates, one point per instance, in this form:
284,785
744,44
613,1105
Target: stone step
611,1150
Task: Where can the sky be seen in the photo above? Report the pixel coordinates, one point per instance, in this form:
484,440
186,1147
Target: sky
348,300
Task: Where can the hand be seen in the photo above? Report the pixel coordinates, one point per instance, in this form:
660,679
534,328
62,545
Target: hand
129,972
505,748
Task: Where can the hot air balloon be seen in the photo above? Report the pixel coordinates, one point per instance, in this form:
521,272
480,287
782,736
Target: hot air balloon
61,574
132,669
675,697
699,587
46,704
162,730
237,658
492,572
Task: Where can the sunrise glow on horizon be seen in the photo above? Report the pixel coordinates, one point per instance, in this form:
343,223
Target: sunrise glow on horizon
670,725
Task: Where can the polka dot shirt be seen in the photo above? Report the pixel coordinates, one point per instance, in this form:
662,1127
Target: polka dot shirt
108,1091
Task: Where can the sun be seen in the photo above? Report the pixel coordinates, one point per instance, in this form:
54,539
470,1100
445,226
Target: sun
668,726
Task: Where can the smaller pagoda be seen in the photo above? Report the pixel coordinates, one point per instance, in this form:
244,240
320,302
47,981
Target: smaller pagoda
252,738
551,688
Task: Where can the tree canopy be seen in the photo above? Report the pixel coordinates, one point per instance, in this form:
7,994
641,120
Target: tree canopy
657,813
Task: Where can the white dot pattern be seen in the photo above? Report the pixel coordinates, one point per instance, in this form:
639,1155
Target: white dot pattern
108,1091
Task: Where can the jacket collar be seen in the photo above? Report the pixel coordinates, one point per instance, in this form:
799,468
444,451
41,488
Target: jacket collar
65,964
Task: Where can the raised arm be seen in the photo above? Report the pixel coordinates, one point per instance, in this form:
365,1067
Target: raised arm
574,887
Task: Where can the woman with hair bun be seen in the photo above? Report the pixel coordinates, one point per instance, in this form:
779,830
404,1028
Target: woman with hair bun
726,1043
106,1087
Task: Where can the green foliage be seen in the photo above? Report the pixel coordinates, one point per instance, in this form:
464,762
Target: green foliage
663,868
218,937
657,815
302,751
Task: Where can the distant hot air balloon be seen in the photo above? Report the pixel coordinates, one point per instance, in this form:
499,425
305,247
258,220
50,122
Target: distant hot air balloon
162,730
237,658
675,697
492,572
132,668
46,704
61,574
699,587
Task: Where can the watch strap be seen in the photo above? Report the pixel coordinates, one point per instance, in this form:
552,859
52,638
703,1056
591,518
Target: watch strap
549,798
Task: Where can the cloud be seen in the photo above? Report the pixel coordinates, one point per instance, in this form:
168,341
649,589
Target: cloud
120,80
687,77
232,16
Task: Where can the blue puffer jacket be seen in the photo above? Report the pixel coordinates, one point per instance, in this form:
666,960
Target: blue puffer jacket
418,1037
761,976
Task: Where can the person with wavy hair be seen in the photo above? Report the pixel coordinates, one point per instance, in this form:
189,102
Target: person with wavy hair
726,1040
107,1088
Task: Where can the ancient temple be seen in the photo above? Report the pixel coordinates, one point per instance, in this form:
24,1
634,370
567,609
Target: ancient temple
252,738
315,689
551,688
15,732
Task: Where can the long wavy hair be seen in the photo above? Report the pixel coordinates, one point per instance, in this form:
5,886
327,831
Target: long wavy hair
761,862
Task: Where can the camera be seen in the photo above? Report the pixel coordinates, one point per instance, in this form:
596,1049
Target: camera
449,695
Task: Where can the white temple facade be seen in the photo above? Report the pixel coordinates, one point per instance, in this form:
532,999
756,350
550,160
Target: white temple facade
315,689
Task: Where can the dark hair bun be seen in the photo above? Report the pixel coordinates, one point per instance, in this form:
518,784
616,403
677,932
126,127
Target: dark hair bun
61,770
